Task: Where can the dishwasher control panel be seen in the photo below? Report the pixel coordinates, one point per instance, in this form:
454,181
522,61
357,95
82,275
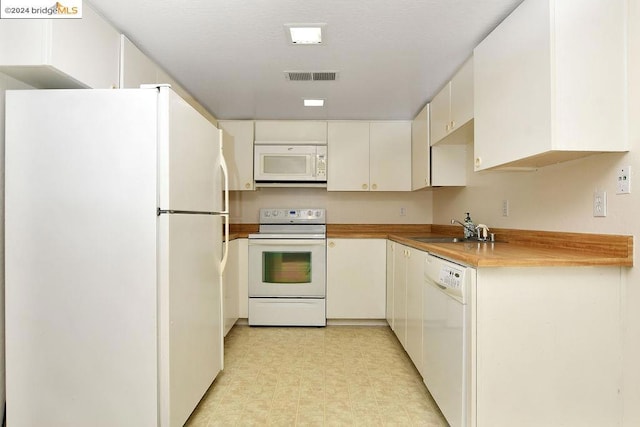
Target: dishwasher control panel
450,276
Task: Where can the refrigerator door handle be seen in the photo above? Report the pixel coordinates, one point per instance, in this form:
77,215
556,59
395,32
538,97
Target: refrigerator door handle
225,255
225,207
225,171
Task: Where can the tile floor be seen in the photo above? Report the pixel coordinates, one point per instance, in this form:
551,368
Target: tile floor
338,375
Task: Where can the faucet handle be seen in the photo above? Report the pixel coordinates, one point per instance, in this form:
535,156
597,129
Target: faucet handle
484,229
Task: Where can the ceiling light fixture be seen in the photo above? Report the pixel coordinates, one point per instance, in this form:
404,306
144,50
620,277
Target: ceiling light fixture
314,102
305,34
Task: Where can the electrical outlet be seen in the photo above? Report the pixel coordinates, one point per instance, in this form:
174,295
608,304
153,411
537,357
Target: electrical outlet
505,208
623,181
403,211
599,203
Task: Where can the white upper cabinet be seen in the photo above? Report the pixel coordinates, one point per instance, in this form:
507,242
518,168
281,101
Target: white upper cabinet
438,166
390,156
237,147
452,108
420,150
290,131
550,84
61,53
369,156
348,156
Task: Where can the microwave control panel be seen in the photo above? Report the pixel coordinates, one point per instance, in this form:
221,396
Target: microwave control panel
321,163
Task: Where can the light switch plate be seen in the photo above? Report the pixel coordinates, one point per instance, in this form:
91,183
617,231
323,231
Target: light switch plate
623,181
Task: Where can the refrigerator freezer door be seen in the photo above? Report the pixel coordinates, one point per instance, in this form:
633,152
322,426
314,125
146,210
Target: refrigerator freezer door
189,157
81,298
190,311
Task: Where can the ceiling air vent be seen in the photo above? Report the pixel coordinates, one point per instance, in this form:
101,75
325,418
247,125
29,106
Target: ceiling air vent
299,76
325,75
308,76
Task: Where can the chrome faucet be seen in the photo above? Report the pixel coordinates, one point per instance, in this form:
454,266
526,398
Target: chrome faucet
471,231
468,226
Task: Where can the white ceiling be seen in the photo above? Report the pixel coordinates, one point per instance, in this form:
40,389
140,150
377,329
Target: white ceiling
392,55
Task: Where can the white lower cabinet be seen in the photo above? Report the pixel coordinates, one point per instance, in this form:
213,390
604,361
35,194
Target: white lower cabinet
415,285
408,279
356,274
400,292
235,285
546,346
391,247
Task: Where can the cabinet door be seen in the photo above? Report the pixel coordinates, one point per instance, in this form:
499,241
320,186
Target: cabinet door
420,150
400,292
298,131
243,278
390,156
415,285
440,114
512,88
391,246
230,301
348,161
356,285
238,152
61,53
462,96
87,49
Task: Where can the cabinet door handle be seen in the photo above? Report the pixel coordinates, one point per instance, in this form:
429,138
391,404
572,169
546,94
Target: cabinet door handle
247,185
364,186
332,244
453,124
478,161
447,127
374,187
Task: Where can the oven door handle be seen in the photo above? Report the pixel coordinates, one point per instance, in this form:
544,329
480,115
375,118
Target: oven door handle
287,242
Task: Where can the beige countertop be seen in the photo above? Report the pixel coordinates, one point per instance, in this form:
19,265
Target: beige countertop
513,248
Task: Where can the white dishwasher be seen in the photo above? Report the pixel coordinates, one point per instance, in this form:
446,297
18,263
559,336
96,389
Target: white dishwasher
446,336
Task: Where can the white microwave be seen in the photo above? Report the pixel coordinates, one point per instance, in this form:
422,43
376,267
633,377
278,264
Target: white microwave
276,164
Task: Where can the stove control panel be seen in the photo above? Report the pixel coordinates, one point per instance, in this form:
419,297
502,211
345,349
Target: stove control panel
296,215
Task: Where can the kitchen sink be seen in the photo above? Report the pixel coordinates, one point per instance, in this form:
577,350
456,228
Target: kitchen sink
448,240
441,239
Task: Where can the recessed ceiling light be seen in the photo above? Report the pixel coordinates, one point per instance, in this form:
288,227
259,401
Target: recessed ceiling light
305,34
314,102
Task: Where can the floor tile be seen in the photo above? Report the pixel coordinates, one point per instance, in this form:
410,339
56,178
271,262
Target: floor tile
333,376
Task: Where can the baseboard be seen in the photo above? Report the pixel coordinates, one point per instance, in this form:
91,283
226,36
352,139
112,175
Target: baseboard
336,322
357,322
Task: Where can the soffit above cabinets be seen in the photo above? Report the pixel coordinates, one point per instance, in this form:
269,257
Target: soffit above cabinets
392,56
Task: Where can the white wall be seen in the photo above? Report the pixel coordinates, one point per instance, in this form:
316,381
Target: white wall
6,82
342,207
559,198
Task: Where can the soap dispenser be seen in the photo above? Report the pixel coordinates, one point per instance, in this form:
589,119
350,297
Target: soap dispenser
469,227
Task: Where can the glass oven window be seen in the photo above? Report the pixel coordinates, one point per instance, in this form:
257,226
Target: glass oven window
286,267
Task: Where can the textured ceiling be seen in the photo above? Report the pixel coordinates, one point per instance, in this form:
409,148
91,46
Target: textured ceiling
392,55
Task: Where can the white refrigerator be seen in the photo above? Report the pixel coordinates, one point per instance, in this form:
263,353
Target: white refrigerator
115,214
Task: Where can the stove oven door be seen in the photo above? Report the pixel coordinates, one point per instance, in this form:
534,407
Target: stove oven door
287,268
